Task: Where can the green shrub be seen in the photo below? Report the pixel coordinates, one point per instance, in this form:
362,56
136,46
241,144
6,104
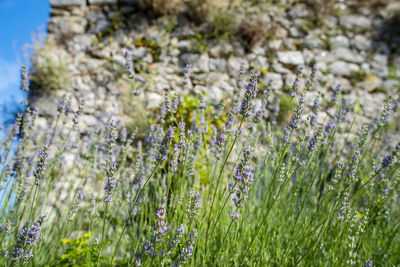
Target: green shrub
79,253
286,107
49,68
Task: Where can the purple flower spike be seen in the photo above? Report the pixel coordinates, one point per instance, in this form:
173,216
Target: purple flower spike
165,145
129,64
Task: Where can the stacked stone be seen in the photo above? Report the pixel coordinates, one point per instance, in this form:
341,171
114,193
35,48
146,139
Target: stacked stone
92,35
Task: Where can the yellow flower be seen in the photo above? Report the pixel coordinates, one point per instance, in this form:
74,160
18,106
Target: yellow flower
88,235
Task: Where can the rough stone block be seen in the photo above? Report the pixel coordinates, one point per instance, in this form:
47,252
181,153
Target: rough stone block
62,3
290,57
100,2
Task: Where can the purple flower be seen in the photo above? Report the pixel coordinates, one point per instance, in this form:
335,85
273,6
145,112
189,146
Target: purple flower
176,102
368,263
31,115
75,206
229,122
352,171
26,240
287,134
138,262
220,143
187,250
193,206
111,169
246,106
129,64
296,83
235,105
384,117
182,141
165,145
161,226
257,116
336,91
111,166
64,105
314,140
78,113
40,169
337,176
344,208
234,215
298,112
175,157
167,103
187,73
179,233
218,111
24,79
112,136
388,160
243,177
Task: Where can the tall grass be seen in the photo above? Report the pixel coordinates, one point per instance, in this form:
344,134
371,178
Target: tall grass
215,186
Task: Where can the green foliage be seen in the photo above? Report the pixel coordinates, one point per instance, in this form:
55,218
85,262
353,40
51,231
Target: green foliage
132,107
170,22
115,21
79,253
224,23
201,44
357,108
50,71
327,42
359,76
286,107
311,192
393,73
153,46
190,104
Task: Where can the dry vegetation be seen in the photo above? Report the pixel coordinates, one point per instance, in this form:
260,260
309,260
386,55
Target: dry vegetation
49,67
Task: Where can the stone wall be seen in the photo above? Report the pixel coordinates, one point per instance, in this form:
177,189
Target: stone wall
353,48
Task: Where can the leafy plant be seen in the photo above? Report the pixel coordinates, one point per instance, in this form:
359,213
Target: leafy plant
49,68
79,253
205,184
154,48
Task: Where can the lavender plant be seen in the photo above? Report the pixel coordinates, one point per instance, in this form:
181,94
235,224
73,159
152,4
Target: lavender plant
225,185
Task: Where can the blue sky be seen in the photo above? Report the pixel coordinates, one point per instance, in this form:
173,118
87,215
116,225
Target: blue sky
19,19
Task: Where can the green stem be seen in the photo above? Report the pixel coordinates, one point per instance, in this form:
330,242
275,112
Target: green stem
33,201
131,211
218,180
102,233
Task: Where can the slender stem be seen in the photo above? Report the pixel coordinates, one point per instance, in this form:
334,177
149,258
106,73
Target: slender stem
54,130
223,206
90,245
226,233
230,193
260,225
33,201
131,211
102,233
218,180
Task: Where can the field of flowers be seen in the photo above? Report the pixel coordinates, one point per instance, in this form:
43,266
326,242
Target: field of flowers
206,186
